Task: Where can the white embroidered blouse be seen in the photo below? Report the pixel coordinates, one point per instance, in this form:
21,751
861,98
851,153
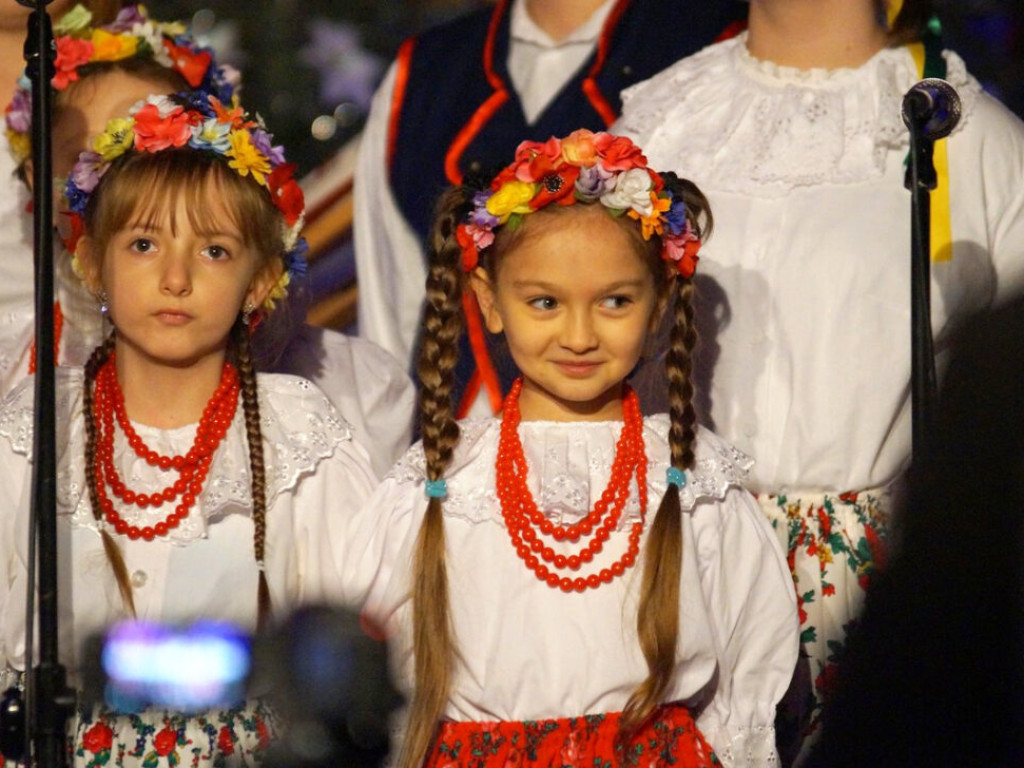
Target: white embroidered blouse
316,478
527,651
804,285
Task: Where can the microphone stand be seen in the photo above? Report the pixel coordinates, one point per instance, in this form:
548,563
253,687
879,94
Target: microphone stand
49,699
920,179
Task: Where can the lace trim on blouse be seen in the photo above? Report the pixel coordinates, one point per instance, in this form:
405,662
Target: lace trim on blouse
300,428
569,468
778,127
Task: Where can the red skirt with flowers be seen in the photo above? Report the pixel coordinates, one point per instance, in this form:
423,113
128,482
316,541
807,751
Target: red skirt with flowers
159,739
670,738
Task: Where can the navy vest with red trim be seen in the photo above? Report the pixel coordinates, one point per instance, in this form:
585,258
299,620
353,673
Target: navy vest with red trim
455,112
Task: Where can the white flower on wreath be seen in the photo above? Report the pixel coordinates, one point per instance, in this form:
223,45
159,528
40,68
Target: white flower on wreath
632,190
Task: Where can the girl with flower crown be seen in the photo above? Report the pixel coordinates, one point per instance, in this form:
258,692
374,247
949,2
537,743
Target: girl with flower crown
794,131
188,486
572,582
102,70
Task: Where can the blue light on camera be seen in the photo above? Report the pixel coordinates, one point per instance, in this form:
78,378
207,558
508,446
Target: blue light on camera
198,667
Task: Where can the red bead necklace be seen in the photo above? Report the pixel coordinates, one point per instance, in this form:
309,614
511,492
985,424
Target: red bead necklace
192,468
526,524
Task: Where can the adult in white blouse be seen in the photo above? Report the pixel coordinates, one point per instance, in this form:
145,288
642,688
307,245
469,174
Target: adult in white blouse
458,100
794,132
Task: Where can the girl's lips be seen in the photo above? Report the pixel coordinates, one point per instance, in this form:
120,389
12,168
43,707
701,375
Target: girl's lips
577,367
173,317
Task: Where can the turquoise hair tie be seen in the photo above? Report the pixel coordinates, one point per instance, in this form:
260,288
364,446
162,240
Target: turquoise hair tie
436,489
676,477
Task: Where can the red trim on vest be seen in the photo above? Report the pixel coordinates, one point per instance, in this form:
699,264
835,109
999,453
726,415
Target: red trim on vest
486,110
731,30
484,373
590,87
403,62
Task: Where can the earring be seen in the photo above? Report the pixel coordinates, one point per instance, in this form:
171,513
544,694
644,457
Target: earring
101,297
247,309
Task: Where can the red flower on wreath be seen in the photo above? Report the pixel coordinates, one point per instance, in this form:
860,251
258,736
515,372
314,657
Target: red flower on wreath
286,193
190,65
618,153
71,54
165,741
98,738
224,741
154,132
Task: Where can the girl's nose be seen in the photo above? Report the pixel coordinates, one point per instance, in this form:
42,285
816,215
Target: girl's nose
176,279
578,334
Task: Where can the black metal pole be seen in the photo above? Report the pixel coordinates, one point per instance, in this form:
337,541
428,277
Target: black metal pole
50,698
920,180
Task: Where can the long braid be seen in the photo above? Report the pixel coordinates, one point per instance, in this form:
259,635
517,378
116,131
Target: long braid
251,408
433,637
92,368
658,610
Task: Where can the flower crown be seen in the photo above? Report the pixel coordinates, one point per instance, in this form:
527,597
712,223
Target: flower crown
200,122
131,35
584,167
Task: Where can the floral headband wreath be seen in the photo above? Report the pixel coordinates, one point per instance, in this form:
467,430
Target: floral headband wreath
200,122
583,167
131,35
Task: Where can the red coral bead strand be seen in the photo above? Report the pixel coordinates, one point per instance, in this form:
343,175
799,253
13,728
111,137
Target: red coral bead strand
527,525
192,468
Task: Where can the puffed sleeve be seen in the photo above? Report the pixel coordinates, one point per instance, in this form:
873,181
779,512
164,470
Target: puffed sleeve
390,265
324,505
752,605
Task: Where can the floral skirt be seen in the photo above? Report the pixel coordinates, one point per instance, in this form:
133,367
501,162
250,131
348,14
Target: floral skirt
155,738
834,543
670,738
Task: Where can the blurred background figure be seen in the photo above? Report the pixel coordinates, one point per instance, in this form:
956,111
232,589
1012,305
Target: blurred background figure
935,671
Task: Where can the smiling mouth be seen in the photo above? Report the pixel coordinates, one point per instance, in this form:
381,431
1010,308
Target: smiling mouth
577,368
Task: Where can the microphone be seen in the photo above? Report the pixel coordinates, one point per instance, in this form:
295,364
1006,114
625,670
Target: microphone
932,106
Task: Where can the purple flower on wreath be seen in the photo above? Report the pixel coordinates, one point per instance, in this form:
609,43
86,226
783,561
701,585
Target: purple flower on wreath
593,182
19,114
76,198
480,216
263,141
675,217
86,173
126,20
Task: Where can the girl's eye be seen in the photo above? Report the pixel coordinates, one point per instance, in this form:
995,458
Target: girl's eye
543,302
142,245
215,252
616,302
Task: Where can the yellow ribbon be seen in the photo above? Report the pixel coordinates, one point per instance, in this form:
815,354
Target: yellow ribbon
892,10
941,224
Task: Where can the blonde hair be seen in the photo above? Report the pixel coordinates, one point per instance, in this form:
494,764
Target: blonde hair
434,643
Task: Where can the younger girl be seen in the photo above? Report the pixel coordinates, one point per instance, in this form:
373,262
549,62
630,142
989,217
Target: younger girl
188,487
504,554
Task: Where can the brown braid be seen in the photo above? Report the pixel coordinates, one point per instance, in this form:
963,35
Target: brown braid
433,638
96,361
251,407
658,610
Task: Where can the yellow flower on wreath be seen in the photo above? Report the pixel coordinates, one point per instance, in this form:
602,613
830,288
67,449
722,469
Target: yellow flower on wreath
246,158
110,47
513,197
116,139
